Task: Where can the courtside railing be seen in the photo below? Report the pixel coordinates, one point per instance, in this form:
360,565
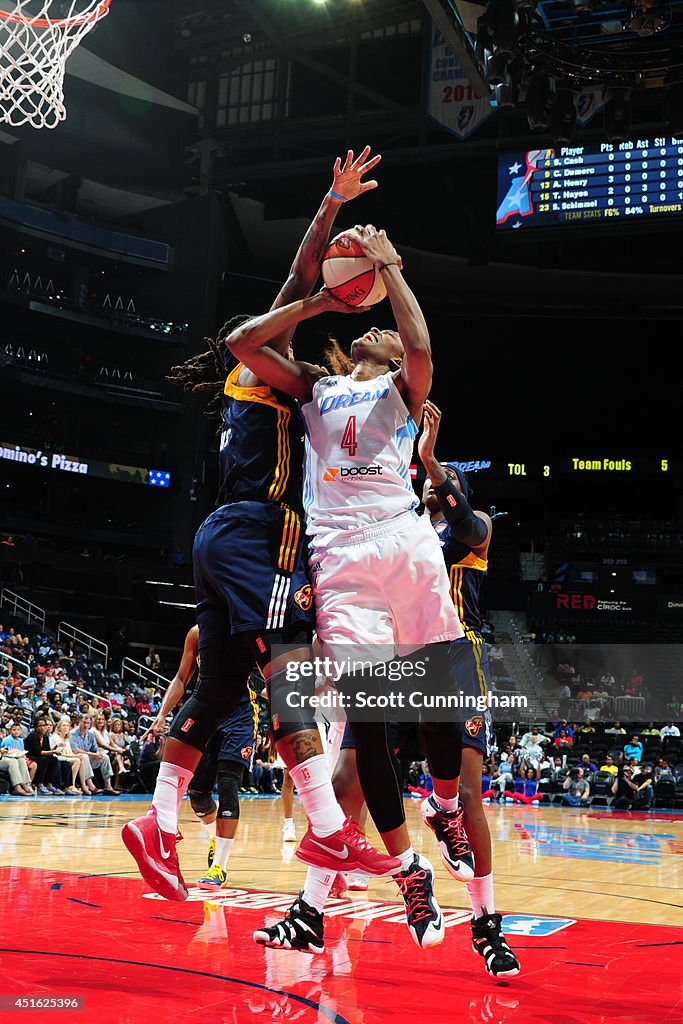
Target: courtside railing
143,675
23,667
20,606
78,636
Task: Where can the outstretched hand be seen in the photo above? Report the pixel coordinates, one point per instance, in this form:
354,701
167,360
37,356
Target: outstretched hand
347,179
430,430
332,304
376,246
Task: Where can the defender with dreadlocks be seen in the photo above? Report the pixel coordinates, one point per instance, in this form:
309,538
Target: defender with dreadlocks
252,593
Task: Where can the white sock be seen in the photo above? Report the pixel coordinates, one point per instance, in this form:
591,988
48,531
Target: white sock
211,827
448,804
317,887
312,780
222,854
289,821
406,858
172,783
480,891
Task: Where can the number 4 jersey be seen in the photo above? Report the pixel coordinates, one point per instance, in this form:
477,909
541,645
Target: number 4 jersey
358,446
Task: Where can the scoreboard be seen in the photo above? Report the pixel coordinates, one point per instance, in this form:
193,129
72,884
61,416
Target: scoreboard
590,184
581,466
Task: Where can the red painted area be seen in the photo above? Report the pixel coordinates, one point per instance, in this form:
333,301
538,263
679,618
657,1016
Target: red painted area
137,960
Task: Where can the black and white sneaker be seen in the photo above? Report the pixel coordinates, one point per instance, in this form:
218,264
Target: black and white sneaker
447,826
489,942
302,928
423,914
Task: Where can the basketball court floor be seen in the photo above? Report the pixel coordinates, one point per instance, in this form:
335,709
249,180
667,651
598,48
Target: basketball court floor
592,903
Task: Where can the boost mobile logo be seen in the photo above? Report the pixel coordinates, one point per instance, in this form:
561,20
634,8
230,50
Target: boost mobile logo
347,471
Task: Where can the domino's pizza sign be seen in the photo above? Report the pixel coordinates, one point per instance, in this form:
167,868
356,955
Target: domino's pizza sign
524,924
451,100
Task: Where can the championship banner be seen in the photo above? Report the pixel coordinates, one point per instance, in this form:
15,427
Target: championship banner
451,100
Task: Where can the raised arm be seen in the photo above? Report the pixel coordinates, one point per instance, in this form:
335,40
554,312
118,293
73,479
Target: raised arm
347,184
178,685
415,378
251,343
467,526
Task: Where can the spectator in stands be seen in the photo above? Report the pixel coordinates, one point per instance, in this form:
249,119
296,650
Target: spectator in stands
152,660
563,741
586,729
624,789
105,747
562,723
663,771
576,789
68,762
670,729
13,762
650,730
607,679
541,737
155,703
119,758
83,739
263,766
151,755
565,695
40,752
616,730
634,749
609,766
645,791
589,767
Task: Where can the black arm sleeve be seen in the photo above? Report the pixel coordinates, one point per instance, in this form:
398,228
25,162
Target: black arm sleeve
465,526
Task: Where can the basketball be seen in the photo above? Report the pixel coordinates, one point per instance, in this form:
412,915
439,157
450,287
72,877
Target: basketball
349,274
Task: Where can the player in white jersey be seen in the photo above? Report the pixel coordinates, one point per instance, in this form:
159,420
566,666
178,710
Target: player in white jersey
380,583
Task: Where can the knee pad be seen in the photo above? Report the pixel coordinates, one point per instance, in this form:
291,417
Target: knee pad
203,806
200,716
230,775
290,709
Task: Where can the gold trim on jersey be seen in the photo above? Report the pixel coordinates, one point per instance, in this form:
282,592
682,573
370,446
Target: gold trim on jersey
281,476
473,561
262,395
291,532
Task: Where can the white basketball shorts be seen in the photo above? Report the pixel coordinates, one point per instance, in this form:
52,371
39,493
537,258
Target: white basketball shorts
383,587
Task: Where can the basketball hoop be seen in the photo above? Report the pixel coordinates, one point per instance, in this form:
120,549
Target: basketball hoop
34,48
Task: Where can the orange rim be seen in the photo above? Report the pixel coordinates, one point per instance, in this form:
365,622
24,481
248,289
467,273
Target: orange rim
20,19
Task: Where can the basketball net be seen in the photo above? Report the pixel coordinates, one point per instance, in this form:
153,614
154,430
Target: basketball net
34,47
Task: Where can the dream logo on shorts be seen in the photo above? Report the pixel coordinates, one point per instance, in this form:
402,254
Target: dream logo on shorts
246,752
304,597
473,726
305,774
186,726
260,644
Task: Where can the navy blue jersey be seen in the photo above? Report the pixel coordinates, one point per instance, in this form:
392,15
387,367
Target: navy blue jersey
465,572
261,450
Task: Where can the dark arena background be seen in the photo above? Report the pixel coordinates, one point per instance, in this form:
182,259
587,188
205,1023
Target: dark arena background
530,176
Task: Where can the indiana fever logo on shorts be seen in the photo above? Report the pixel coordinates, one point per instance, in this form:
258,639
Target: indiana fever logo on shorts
246,752
304,597
473,726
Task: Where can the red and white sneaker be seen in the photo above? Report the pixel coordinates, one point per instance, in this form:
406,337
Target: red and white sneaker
348,849
155,854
